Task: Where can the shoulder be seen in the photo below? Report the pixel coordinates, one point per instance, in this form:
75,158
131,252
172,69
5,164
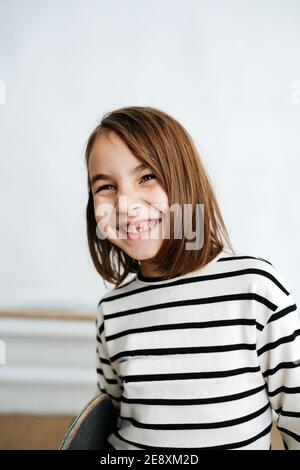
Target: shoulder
259,281
256,273
262,278
245,260
114,294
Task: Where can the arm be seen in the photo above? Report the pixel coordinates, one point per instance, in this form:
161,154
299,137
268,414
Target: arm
107,379
278,349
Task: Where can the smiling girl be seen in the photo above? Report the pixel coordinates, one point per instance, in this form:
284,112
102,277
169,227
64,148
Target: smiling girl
198,348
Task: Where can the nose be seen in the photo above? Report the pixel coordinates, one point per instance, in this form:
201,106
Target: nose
128,204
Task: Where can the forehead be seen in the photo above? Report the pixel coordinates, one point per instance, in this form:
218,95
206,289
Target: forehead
110,151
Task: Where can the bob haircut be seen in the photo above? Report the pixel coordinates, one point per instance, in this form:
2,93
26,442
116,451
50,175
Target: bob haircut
161,142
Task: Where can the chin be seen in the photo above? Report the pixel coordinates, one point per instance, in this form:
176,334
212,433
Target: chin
143,254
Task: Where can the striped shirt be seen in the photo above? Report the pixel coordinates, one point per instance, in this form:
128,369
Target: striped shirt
202,360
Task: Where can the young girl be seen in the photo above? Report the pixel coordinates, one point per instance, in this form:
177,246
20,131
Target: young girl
202,343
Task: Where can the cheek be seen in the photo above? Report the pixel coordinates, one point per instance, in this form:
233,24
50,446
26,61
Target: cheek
106,229
102,216
160,199
106,221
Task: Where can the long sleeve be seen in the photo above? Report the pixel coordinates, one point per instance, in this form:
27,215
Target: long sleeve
107,379
278,349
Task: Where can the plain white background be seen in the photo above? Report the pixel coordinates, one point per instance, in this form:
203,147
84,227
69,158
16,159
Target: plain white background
228,70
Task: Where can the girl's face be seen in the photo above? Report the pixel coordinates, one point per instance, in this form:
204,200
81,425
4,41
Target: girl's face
126,191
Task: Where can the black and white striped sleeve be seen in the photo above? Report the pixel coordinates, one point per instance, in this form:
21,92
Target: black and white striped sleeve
278,349
108,380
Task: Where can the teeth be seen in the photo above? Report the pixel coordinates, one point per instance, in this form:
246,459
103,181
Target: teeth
141,227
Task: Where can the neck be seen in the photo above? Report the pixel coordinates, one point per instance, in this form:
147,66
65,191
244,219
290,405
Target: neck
149,269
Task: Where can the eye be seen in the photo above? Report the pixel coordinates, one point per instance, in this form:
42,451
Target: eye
145,176
109,185
102,187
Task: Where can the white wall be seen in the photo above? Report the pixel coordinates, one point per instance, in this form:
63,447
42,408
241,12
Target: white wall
49,365
225,69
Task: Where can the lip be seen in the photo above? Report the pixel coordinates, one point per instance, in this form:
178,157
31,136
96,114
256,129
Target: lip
139,235
135,222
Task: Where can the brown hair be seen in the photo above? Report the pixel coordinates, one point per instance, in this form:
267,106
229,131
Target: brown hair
160,141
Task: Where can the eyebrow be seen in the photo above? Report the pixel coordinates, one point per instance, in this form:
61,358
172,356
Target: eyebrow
102,176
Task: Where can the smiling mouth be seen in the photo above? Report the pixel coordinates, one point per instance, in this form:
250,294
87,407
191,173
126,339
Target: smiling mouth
140,234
